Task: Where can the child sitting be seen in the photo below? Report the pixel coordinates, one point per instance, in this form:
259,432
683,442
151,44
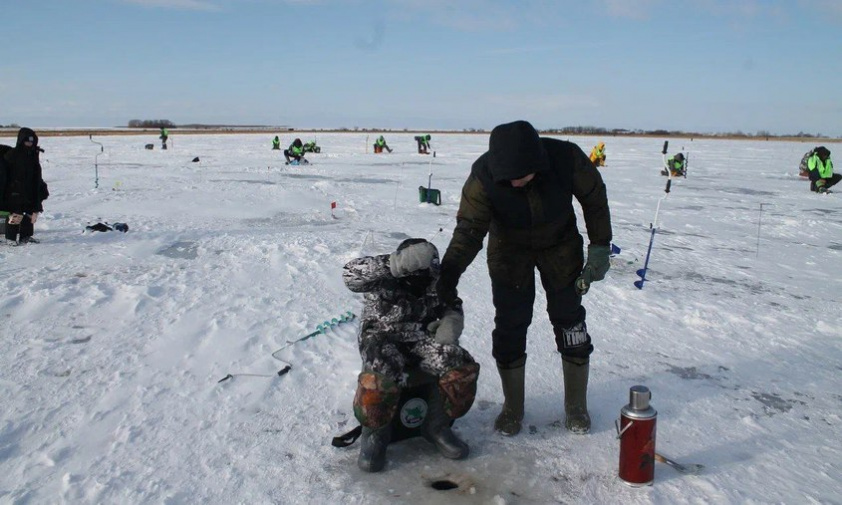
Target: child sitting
404,326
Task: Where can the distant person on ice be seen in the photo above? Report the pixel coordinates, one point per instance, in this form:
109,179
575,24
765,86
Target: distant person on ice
295,152
820,170
598,155
405,326
521,193
22,190
164,136
311,147
423,143
276,143
380,144
677,166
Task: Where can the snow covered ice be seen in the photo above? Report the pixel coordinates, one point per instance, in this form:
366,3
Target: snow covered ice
113,343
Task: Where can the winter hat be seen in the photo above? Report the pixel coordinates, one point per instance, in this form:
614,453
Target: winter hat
27,135
823,152
435,265
515,150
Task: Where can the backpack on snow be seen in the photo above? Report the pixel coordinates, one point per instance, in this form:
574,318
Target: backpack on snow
411,414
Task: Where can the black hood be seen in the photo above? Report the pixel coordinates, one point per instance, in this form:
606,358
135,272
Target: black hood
514,151
26,134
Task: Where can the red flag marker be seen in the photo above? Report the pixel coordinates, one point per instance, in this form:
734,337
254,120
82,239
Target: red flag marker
333,206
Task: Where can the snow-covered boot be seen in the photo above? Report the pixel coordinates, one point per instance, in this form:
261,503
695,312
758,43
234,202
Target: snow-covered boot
576,414
437,430
512,376
373,448
375,405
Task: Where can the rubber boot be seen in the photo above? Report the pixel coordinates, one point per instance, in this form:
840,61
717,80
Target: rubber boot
576,414
437,430
512,377
373,448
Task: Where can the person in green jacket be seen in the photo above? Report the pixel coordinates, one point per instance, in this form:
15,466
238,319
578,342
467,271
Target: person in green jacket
423,143
380,144
520,193
820,169
295,153
164,136
677,166
311,147
276,144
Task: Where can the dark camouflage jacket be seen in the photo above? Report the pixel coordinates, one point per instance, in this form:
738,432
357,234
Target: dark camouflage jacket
392,308
534,224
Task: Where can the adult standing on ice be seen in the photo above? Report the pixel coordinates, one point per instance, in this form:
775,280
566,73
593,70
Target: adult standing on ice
164,136
521,190
22,190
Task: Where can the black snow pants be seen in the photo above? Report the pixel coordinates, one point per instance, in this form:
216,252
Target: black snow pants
513,306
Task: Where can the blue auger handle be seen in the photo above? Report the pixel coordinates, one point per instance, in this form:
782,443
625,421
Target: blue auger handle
642,272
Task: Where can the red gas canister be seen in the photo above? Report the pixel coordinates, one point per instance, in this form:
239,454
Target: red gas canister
636,431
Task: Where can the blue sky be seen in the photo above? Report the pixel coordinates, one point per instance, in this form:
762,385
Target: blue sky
703,65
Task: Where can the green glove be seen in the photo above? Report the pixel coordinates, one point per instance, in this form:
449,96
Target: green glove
596,267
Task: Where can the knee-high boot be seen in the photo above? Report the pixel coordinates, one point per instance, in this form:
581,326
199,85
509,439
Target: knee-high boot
373,448
576,414
437,430
512,377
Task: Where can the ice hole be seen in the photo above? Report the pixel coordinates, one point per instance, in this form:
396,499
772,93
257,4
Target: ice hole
443,485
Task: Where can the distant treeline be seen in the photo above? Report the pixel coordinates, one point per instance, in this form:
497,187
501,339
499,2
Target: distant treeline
567,130
166,123
592,130
597,131
151,123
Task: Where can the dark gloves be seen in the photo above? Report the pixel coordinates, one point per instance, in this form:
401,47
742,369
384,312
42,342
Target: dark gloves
446,286
596,267
412,259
